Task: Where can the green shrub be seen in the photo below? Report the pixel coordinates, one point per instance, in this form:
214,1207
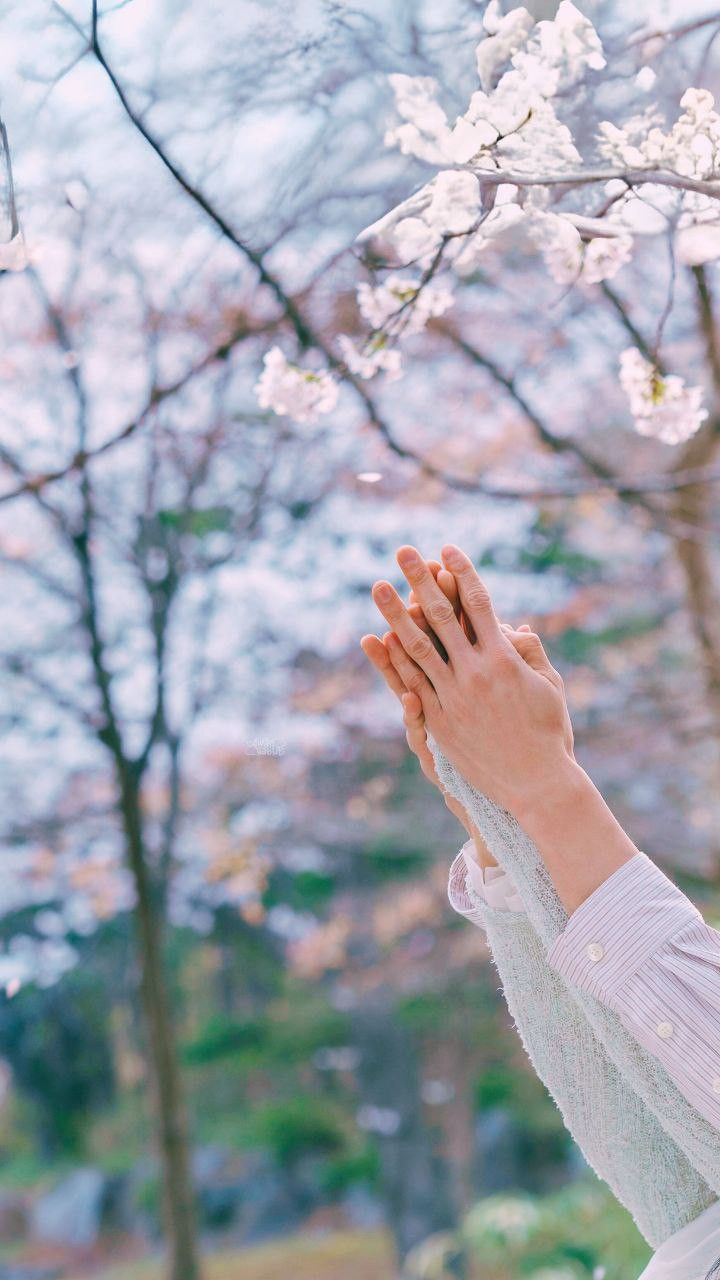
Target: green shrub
297,1127
222,1037
348,1170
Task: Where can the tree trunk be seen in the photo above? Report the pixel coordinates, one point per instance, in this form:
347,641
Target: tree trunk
172,1136
692,508
414,1175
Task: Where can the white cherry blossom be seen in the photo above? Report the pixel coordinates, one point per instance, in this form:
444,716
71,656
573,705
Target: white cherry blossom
509,34
425,132
691,147
285,388
698,242
492,17
401,304
645,79
375,357
560,51
560,244
465,253
570,260
661,405
454,202
447,205
511,126
604,256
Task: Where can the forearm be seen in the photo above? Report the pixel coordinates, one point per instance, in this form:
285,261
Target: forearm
579,839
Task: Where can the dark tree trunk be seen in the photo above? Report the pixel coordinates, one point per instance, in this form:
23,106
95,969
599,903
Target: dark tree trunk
414,1176
172,1136
693,508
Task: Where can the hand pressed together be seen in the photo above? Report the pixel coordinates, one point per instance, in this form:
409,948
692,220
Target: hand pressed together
496,706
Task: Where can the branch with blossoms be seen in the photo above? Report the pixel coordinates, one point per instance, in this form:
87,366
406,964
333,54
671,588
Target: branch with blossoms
305,393
505,169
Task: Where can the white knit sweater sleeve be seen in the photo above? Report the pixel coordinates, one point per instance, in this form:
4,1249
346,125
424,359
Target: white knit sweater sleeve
637,1130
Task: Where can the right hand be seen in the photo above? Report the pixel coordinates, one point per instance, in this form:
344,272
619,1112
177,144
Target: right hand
415,729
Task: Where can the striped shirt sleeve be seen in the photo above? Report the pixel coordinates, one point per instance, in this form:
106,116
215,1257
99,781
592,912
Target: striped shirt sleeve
641,947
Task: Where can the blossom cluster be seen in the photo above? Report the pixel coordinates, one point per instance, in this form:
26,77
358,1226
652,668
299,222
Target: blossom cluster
491,189
287,389
661,405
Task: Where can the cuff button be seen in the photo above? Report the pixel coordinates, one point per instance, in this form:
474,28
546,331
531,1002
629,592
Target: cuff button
595,951
665,1030
716,1085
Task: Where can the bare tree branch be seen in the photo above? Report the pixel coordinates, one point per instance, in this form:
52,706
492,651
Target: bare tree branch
35,484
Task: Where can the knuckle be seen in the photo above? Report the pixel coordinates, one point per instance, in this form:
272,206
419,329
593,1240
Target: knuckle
415,681
478,599
439,611
419,647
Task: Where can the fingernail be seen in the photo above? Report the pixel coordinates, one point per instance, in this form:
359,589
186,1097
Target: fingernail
407,557
452,556
383,593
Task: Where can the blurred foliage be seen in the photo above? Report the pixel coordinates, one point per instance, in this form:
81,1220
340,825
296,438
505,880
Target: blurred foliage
297,1127
522,1094
578,645
572,1231
57,1043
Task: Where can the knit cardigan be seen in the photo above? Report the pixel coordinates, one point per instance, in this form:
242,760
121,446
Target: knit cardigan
659,1156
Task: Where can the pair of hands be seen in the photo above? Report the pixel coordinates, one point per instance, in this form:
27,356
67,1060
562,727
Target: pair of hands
486,692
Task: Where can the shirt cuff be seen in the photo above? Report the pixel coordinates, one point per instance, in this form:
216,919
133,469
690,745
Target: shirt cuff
619,926
492,884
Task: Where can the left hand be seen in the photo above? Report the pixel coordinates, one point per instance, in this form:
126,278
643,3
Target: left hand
499,717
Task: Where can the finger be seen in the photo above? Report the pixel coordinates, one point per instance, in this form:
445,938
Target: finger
375,650
435,604
417,645
415,732
474,595
530,647
412,675
416,736
418,617
449,588
435,568
524,626
412,707
446,582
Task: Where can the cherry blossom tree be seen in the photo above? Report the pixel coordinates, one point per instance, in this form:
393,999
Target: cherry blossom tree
508,167
185,568
535,166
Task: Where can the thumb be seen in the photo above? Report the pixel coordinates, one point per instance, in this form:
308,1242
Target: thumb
531,650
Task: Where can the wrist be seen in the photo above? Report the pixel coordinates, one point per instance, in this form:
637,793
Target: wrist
538,810
578,837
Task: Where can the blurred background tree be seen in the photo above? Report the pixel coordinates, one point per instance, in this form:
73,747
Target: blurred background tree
225,881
